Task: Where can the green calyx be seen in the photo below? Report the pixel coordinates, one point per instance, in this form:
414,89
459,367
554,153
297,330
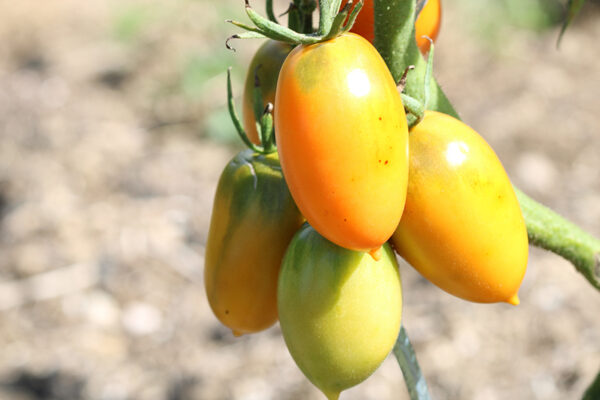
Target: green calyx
332,22
413,106
264,118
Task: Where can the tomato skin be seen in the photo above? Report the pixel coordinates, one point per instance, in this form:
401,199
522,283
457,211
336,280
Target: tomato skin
268,59
342,139
427,24
254,218
462,226
339,310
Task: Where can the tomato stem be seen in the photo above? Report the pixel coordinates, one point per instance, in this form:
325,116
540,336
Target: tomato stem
550,231
331,22
428,74
293,17
270,12
328,10
407,359
395,40
306,8
414,109
235,119
265,127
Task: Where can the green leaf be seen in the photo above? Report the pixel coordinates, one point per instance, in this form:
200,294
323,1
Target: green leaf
573,8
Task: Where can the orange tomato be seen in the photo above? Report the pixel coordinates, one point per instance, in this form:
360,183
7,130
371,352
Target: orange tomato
342,139
427,24
266,63
462,226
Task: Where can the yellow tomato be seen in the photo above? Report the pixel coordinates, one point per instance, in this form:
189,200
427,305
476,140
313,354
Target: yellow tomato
342,139
339,310
253,221
462,226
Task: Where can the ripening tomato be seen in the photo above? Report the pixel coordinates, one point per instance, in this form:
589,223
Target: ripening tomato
462,226
254,219
339,310
342,139
427,24
266,63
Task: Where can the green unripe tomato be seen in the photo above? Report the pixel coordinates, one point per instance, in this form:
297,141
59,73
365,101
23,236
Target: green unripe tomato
339,310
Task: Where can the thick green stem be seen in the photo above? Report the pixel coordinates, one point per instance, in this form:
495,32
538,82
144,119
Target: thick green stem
394,38
550,231
306,8
405,355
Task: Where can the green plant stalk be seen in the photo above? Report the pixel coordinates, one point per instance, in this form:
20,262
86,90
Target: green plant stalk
550,231
394,38
327,12
405,354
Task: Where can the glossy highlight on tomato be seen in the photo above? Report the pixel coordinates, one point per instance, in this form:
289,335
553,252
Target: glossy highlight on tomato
342,139
427,24
462,226
266,63
254,219
339,310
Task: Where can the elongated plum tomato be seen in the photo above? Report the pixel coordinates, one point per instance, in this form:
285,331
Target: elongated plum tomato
339,310
462,227
343,141
266,63
254,219
427,24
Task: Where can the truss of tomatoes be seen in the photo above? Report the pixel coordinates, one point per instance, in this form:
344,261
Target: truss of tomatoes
307,235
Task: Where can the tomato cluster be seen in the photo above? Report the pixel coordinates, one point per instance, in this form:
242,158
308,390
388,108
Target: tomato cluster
302,234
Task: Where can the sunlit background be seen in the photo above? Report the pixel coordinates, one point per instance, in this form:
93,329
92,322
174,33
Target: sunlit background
113,132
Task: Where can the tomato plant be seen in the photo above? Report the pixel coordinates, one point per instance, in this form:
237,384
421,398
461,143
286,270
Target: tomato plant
339,310
342,139
253,221
343,144
461,214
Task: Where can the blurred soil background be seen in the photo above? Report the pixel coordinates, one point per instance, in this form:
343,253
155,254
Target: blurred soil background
113,133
